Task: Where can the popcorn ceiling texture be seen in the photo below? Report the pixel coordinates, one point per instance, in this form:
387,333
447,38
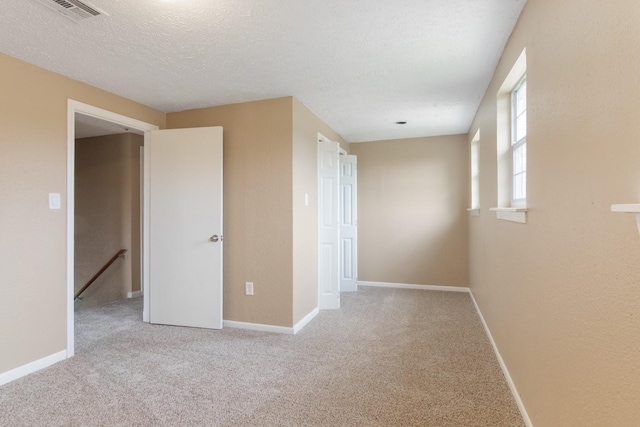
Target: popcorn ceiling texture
358,65
387,358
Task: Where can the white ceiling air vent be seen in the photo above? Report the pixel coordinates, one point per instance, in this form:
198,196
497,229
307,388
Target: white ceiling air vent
73,9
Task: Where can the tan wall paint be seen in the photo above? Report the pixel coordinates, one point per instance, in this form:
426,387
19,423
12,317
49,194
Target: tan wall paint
136,142
33,143
412,196
561,293
107,216
257,206
306,127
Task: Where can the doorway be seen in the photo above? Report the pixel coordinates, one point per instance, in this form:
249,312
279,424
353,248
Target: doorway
337,223
116,122
107,212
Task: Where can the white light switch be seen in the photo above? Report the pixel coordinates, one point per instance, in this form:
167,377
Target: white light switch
306,200
54,201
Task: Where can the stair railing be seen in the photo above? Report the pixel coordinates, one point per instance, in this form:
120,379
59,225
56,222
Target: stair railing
113,259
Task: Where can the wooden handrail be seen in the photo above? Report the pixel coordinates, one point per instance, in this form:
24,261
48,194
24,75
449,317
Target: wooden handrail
120,253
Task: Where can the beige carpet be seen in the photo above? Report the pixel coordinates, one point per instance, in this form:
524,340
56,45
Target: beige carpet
386,358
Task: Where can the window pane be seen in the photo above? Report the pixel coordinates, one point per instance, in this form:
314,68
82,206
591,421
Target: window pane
520,159
521,99
521,127
520,186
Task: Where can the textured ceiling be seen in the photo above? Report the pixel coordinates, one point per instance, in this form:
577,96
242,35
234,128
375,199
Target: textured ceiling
360,65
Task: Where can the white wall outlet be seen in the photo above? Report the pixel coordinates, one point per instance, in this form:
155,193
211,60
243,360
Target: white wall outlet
54,201
248,288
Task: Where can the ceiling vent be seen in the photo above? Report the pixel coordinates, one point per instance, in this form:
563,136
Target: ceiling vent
73,9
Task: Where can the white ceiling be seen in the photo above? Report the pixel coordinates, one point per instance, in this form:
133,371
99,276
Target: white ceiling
360,65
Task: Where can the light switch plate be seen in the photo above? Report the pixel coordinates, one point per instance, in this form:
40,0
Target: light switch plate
54,201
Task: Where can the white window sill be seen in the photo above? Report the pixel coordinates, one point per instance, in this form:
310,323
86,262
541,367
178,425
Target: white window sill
629,208
474,211
633,208
511,214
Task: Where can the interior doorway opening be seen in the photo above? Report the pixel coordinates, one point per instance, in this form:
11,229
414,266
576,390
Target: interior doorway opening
107,213
106,139
337,223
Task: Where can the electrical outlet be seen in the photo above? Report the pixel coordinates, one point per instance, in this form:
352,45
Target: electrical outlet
248,288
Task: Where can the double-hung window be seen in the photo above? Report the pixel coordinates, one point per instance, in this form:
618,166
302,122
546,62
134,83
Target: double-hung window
519,143
475,171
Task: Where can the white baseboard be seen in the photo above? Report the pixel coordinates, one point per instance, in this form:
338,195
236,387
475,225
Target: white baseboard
407,286
32,367
272,328
505,371
257,327
305,320
134,294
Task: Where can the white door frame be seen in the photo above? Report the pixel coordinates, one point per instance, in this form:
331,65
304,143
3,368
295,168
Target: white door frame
74,107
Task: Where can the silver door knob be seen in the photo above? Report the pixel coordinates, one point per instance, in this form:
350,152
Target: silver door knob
215,238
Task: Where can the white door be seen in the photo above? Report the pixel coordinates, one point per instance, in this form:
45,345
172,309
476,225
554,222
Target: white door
348,224
328,225
185,227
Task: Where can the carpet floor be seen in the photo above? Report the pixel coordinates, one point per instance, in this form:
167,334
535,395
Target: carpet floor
388,357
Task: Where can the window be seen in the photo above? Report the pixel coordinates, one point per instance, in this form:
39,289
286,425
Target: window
511,144
519,143
475,171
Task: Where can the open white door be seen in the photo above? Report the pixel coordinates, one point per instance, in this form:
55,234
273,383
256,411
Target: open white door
348,224
328,225
184,179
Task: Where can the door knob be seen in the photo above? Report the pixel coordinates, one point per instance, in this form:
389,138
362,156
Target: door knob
215,238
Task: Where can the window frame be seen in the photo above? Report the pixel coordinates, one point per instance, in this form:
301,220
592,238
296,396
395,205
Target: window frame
518,145
475,171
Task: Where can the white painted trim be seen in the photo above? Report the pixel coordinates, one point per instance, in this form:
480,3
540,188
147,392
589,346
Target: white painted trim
32,367
513,209
407,286
505,371
511,214
626,208
257,327
74,107
305,320
474,211
142,244
71,169
272,328
146,242
134,294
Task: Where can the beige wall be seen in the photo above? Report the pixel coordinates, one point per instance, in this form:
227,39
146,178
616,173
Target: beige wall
33,143
306,127
270,163
257,206
561,293
412,196
107,216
